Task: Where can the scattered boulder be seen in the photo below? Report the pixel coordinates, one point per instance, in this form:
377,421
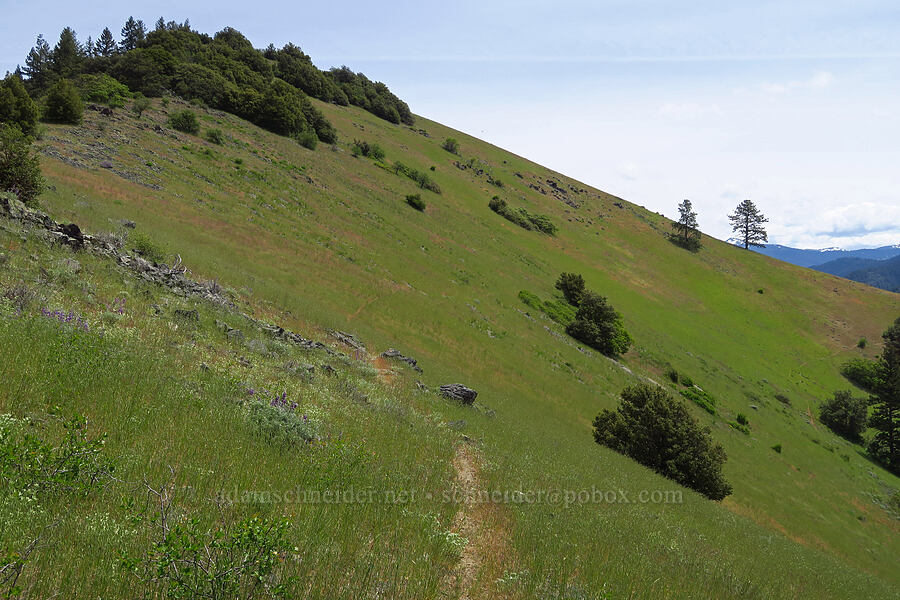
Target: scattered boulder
395,354
459,392
106,164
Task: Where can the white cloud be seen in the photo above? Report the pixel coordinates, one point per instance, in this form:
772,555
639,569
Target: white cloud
818,81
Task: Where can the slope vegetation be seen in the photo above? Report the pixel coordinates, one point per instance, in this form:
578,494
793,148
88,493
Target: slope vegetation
320,240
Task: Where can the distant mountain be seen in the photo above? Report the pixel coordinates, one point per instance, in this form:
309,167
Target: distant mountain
843,267
811,258
884,274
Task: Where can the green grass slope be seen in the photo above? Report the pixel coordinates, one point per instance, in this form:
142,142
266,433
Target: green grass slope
321,239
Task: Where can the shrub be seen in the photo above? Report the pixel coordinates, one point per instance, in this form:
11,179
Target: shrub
185,121
63,103
701,398
139,105
783,399
146,247
861,373
307,139
451,145
686,380
242,559
102,88
215,136
599,326
777,448
659,432
20,168
739,427
415,200
422,179
845,415
530,300
16,106
742,419
522,217
861,343
373,151
672,374
572,287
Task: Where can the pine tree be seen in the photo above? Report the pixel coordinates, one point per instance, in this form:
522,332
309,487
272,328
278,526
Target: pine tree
160,25
89,50
687,232
106,44
67,55
747,221
37,65
132,34
885,446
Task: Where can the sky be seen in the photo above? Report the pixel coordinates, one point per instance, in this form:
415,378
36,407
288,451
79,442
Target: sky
791,104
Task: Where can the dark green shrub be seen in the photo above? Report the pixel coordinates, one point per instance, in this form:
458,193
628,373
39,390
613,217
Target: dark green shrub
16,106
307,139
531,300
672,374
422,179
20,168
63,103
599,326
742,419
777,448
783,399
861,372
185,121
415,200
739,427
861,343
659,432
373,151
215,136
572,287
686,380
451,145
845,415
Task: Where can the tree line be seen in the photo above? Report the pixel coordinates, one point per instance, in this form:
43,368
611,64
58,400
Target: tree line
269,87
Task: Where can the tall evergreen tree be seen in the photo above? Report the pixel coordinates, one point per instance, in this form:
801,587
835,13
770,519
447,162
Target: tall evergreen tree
687,232
885,446
132,34
160,25
67,55
16,106
106,43
747,222
38,68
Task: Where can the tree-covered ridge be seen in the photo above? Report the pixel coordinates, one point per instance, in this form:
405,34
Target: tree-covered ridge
268,87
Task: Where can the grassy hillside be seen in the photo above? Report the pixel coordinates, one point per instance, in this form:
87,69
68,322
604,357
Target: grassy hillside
322,239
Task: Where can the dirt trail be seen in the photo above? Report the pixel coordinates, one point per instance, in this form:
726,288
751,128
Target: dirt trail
485,527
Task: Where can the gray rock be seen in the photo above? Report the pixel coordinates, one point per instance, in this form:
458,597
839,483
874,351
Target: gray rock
349,339
395,354
459,392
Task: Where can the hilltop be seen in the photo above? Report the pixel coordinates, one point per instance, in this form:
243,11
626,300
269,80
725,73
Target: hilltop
324,241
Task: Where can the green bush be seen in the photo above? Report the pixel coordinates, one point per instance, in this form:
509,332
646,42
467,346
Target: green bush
415,200
307,139
16,106
742,419
700,398
215,136
101,87
861,373
599,326
139,105
861,344
845,415
672,374
20,168
63,103
783,399
777,448
739,427
572,287
373,151
530,300
451,145
146,247
422,179
185,121
522,217
659,432
686,380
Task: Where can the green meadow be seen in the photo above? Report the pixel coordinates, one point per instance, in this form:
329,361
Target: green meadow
321,239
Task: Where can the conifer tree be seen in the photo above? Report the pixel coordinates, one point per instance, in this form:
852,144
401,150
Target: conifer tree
106,44
687,232
132,34
885,446
747,222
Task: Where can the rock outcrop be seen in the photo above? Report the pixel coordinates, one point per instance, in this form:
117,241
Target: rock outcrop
395,354
459,392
